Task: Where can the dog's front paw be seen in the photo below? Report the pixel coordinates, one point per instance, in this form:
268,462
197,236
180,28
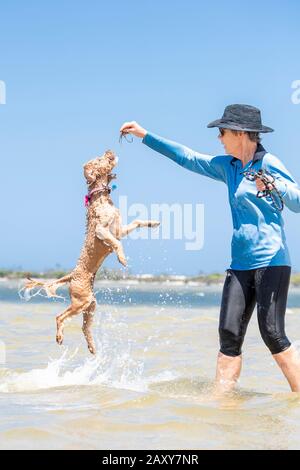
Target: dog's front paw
153,223
122,260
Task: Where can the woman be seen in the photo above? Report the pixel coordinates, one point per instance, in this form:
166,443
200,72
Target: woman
260,268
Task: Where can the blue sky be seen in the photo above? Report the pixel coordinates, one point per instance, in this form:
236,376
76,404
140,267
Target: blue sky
75,71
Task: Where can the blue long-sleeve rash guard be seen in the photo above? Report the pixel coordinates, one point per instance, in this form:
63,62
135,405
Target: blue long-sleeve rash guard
258,228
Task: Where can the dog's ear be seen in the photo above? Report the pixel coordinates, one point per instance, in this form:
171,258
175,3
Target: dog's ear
89,173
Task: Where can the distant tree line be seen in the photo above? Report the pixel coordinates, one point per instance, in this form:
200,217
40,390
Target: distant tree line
116,275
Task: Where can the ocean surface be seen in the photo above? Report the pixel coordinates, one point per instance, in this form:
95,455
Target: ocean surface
150,384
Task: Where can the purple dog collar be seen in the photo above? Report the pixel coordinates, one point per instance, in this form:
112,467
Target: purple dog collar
88,196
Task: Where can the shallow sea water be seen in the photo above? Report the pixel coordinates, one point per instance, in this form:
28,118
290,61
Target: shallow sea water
150,384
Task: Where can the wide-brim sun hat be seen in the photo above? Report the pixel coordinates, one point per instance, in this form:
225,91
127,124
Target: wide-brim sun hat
241,117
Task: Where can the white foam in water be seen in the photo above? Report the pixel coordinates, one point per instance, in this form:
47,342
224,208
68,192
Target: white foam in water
164,376
58,373
122,373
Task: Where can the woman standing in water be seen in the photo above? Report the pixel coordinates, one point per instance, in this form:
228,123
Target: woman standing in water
260,268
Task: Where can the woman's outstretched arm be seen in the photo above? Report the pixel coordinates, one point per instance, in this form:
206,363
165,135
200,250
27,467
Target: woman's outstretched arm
207,165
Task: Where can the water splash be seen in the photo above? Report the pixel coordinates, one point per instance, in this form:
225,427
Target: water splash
116,364
118,371
28,294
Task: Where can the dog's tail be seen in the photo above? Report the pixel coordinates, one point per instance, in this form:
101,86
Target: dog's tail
49,287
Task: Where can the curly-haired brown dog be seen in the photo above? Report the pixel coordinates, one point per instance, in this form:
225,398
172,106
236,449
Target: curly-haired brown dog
103,234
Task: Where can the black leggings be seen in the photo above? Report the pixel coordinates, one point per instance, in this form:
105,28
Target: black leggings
268,287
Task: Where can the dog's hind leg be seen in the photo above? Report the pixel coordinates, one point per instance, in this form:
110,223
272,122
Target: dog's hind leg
88,317
72,310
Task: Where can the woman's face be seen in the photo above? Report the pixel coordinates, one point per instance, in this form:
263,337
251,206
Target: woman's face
231,141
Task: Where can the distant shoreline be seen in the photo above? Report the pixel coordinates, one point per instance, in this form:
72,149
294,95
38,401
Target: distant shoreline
114,275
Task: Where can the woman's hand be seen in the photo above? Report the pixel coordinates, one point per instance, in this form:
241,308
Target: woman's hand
261,186
133,128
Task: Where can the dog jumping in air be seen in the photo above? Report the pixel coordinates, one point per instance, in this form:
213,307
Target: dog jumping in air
104,231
